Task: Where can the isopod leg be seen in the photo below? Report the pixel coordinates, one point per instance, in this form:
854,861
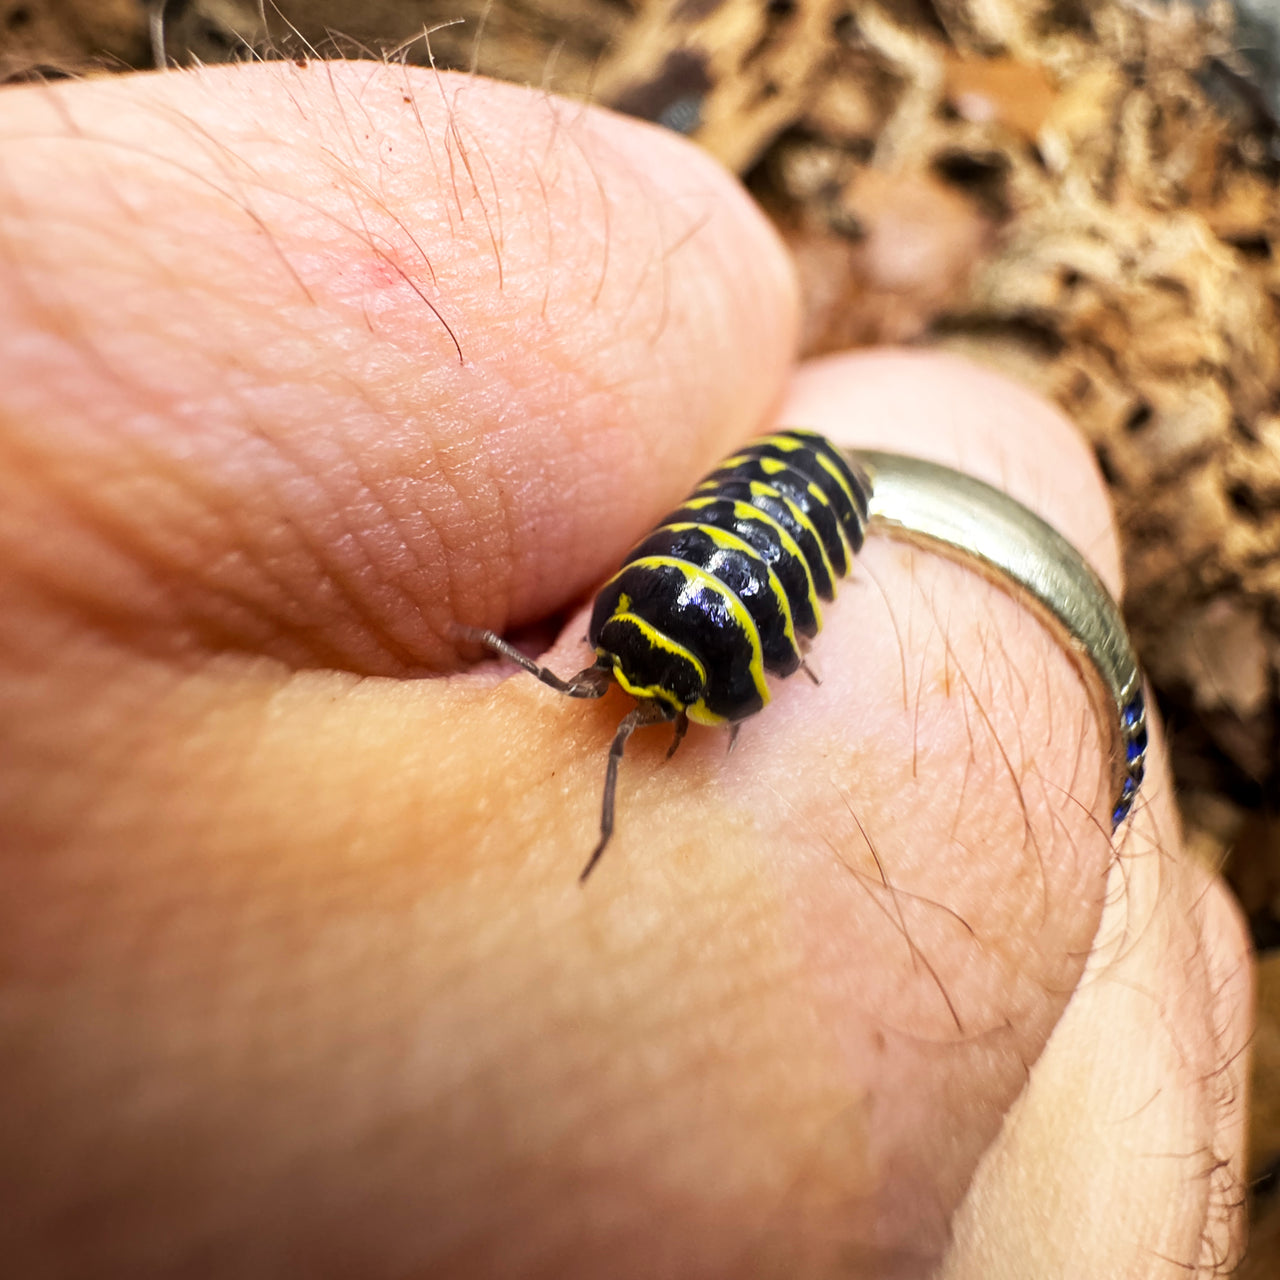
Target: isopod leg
644,714
682,727
590,683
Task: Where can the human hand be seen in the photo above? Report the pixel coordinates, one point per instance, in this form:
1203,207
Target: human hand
304,365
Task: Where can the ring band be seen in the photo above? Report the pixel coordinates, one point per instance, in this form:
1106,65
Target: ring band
944,510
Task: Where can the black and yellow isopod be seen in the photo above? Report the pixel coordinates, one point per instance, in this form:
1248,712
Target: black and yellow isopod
726,588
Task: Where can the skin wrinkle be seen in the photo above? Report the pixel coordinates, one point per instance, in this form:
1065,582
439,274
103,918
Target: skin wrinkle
62,325
491,482
297,479
226,514
85,518
88,490
378,620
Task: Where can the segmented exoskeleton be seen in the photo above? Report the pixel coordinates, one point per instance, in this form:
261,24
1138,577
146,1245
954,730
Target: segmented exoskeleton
724,590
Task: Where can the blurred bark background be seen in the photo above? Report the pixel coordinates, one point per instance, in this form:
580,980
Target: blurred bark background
1080,192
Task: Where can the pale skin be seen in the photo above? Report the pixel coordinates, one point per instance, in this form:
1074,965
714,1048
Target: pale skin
296,974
